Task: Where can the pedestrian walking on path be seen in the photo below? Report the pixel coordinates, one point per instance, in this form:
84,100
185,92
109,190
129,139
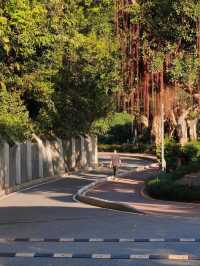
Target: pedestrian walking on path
115,162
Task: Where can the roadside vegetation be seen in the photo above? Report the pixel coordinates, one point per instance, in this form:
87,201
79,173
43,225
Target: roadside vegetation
181,181
121,132
58,64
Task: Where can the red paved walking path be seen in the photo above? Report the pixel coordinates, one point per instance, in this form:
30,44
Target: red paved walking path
128,189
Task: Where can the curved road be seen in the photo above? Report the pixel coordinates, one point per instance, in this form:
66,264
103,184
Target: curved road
129,189
48,211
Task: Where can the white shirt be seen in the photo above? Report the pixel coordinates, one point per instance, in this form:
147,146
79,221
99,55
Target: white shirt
115,160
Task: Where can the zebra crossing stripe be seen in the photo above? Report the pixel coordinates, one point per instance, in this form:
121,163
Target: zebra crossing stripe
172,257
108,240
96,240
178,257
63,255
3,240
126,240
187,240
24,255
66,239
136,257
157,240
101,256
36,240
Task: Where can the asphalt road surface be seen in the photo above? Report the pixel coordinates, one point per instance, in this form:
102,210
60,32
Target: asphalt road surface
48,211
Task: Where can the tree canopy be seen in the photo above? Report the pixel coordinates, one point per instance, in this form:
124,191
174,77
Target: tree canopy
59,62
61,59
160,46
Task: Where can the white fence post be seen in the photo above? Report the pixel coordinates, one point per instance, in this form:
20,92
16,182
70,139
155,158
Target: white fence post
90,151
6,165
49,158
88,142
18,164
41,151
83,152
73,153
2,176
61,157
94,151
24,162
29,159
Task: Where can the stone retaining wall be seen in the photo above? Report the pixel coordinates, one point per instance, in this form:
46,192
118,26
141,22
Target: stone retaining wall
24,162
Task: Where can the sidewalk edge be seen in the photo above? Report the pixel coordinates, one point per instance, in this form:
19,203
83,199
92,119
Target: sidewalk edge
94,201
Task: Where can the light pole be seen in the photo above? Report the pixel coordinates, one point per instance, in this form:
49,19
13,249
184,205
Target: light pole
163,162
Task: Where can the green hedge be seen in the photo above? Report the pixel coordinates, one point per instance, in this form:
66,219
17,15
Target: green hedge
131,148
176,155
165,187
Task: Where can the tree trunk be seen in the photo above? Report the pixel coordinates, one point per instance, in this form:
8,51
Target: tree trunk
192,124
156,129
172,123
144,121
182,128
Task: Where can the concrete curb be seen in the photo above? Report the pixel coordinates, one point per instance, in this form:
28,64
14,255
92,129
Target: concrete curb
94,201
144,194
119,206
29,185
107,204
37,182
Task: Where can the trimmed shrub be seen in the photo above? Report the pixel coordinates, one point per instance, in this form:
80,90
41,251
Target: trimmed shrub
173,154
177,155
191,151
130,148
165,187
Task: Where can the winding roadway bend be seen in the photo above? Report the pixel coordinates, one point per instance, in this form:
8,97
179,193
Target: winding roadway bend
48,211
129,189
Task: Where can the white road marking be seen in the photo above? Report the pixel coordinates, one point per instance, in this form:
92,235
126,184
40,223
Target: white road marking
133,257
178,257
30,255
101,256
62,255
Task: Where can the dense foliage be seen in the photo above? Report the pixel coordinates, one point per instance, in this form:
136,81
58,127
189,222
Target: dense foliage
177,155
58,65
14,121
180,161
117,128
164,59
127,148
168,186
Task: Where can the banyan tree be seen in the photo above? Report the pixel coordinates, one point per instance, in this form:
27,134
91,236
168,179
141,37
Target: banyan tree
159,42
